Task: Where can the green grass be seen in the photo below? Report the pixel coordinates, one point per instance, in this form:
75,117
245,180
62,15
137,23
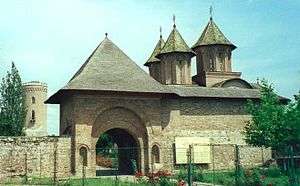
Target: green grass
104,182
228,178
248,177
222,178
267,176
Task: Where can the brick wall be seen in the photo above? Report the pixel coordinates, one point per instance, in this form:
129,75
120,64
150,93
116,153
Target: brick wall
34,157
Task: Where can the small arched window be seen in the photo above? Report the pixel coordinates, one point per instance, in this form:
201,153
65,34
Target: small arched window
155,154
83,155
33,115
33,100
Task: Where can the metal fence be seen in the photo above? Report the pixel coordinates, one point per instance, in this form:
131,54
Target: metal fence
215,164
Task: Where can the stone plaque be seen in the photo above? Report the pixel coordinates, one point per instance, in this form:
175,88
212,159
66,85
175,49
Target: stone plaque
201,151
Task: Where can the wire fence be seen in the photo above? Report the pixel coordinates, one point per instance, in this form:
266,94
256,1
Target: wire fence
215,164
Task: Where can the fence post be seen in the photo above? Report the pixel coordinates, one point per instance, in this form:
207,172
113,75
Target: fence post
213,162
237,166
55,163
83,172
26,176
40,164
10,163
116,165
189,158
292,171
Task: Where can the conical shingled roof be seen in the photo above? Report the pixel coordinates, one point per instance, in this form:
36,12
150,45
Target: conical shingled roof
157,49
109,69
212,35
175,43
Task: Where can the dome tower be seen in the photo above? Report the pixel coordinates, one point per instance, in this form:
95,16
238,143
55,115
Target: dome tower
213,56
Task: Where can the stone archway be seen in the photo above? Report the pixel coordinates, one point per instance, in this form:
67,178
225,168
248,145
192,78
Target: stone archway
119,154
129,125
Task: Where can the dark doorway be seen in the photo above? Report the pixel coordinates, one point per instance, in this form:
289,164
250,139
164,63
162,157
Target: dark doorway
117,153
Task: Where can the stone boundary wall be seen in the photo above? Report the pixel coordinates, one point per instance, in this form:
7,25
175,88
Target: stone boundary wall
40,157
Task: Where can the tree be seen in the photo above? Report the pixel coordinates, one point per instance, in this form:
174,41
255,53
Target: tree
273,124
12,104
293,121
104,144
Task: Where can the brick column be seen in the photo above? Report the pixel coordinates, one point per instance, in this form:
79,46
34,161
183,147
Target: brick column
83,139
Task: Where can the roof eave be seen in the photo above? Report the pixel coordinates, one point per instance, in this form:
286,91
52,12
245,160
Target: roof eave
215,44
55,98
150,62
192,53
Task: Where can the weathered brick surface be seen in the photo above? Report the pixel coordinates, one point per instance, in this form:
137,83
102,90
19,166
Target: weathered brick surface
154,121
34,157
150,121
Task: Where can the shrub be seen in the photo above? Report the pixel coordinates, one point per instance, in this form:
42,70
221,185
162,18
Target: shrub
273,171
197,174
161,178
140,178
255,178
182,174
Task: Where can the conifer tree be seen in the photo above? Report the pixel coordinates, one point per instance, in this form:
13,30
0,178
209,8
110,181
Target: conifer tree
12,104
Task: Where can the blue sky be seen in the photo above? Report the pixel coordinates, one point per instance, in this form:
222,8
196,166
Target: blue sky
50,39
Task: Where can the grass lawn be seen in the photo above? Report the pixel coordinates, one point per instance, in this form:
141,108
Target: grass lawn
260,176
249,177
104,182
228,178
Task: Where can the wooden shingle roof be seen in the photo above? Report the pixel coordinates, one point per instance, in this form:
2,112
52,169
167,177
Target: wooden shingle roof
175,43
157,49
108,68
212,35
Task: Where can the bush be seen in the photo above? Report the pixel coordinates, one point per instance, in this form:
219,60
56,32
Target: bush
255,178
182,174
161,178
197,174
273,171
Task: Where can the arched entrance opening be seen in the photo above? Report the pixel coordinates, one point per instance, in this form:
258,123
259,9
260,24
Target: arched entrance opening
117,152
128,136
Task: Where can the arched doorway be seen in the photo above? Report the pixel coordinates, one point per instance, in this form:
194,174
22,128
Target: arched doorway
117,152
128,134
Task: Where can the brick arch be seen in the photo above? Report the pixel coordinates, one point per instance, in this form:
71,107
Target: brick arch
128,120
119,117
138,111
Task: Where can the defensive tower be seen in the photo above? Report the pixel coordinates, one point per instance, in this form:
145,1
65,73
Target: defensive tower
36,116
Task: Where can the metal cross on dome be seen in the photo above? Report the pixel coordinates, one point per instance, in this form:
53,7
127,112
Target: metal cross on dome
174,20
210,11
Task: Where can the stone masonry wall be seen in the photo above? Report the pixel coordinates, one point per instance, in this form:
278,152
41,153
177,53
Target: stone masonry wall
34,157
221,120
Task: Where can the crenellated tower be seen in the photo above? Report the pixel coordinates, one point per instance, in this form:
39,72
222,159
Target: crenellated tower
213,57
175,59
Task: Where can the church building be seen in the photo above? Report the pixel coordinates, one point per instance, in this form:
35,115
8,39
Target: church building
161,113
